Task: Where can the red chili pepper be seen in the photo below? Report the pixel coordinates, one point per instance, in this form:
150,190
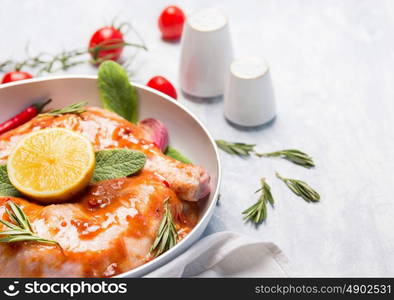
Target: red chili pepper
23,117
166,183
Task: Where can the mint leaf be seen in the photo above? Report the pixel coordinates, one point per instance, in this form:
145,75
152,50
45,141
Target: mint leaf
116,92
117,163
175,154
6,187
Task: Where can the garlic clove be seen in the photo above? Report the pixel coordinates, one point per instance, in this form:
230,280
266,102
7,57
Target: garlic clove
156,132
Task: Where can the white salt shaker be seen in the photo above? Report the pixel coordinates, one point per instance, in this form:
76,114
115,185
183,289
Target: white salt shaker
249,97
206,54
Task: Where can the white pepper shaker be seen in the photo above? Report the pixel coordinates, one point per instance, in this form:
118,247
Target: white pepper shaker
206,54
249,97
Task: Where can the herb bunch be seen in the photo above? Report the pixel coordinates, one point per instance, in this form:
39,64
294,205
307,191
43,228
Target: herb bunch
257,213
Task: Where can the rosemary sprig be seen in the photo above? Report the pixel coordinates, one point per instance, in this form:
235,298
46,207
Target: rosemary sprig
167,235
51,63
46,63
293,155
75,108
20,229
62,61
240,149
257,213
94,51
5,65
300,188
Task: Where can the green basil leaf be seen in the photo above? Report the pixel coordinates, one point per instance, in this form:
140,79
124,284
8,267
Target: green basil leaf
116,92
117,163
6,187
175,154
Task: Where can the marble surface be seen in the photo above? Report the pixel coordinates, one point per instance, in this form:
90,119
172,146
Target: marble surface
332,66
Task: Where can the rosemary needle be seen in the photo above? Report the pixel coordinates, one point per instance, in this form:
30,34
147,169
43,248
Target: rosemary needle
300,188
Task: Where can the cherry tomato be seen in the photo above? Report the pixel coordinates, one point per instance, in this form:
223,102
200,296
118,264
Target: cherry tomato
163,85
171,23
15,76
103,44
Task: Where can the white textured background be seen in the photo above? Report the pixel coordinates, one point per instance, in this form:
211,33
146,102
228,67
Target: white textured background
332,64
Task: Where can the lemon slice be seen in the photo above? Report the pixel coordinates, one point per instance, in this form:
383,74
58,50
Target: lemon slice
51,165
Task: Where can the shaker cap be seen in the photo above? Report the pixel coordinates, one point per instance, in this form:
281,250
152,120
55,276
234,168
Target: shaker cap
249,97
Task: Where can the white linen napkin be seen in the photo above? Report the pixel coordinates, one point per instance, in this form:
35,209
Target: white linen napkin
227,254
